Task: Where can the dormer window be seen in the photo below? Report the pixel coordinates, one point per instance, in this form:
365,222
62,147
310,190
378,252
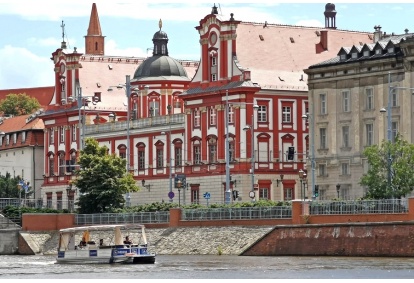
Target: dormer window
354,55
343,57
378,51
366,53
390,50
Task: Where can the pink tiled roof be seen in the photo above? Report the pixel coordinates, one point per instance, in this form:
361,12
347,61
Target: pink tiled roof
277,56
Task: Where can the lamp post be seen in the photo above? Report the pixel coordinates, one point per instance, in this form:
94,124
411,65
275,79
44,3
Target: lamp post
306,117
127,86
246,128
389,125
228,192
338,187
169,142
69,194
179,185
302,177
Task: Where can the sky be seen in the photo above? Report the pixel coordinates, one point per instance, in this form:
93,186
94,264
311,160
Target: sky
29,35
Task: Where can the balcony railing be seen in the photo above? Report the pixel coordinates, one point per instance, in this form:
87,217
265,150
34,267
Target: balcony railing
135,124
359,206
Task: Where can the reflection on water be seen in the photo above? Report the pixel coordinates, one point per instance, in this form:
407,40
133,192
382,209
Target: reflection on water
213,267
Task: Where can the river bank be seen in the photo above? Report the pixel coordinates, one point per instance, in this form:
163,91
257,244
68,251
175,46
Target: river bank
230,240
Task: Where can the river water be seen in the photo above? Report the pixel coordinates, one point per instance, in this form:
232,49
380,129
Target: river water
213,267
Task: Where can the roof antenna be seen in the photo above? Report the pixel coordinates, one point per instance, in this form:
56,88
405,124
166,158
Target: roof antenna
63,44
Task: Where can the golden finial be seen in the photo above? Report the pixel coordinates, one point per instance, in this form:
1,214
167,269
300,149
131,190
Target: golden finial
160,24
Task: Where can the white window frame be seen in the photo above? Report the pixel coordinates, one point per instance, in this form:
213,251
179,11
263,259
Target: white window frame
369,134
346,101
262,114
286,114
323,139
322,97
369,95
345,136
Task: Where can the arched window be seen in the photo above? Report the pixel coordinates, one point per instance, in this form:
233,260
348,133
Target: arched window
196,151
178,152
51,164
159,154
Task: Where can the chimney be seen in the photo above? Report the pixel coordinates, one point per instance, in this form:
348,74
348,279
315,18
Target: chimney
377,33
324,39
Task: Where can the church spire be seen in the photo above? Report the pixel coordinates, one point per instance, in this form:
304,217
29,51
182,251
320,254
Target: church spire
94,41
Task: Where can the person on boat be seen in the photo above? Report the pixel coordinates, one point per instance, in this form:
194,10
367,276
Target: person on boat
127,241
82,242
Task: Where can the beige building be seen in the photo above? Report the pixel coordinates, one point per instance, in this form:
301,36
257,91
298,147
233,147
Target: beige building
346,94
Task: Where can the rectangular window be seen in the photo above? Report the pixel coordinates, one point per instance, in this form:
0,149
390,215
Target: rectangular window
288,194
346,103
62,164
178,154
160,158
322,134
394,130
322,170
197,154
231,150
14,138
345,168
213,116
263,152
51,136
394,98
154,108
7,139
345,136
263,193
196,118
369,134
74,133
195,196
231,114
322,97
62,134
262,114
286,114
141,159
212,153
369,102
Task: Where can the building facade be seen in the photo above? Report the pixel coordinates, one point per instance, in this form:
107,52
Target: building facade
356,100
232,121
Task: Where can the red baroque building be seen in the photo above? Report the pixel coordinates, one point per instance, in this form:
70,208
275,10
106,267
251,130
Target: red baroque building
178,124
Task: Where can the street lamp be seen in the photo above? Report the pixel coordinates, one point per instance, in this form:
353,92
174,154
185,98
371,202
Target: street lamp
338,187
246,128
148,187
306,117
127,86
228,192
389,136
179,185
302,177
82,102
169,142
69,194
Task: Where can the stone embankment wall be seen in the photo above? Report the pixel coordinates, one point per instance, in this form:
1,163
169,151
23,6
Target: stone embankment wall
353,239
172,241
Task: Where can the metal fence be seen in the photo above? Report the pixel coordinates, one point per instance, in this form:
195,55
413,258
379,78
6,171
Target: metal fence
271,212
359,207
120,218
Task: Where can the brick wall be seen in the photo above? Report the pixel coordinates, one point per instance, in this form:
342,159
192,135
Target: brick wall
350,239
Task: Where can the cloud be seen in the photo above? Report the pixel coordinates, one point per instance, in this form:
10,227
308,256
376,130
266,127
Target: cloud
111,49
23,69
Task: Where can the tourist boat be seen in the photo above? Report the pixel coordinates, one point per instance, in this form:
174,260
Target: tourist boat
104,244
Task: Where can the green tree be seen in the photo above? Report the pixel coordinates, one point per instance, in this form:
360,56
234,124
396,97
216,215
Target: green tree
8,186
390,159
18,104
102,179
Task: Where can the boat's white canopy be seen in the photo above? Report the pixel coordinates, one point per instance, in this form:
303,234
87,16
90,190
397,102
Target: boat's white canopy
101,227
